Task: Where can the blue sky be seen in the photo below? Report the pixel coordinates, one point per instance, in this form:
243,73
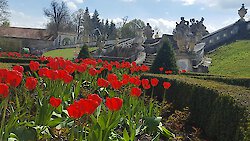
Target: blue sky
162,14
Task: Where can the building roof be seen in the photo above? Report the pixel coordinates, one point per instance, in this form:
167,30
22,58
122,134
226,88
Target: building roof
25,33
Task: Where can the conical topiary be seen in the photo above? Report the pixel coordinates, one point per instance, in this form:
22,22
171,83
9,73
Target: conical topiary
165,57
84,53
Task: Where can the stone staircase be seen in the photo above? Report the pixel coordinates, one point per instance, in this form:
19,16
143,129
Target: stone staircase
149,59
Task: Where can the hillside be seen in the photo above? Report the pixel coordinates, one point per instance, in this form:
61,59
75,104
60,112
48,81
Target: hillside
232,59
68,53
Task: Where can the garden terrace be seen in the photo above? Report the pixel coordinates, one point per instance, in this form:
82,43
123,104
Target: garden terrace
221,110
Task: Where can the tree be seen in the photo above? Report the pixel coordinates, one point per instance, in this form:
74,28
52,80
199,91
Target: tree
78,21
96,20
87,25
112,33
165,57
130,29
58,14
3,11
84,53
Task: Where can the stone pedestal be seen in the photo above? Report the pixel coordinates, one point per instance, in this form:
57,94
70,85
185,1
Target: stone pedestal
184,61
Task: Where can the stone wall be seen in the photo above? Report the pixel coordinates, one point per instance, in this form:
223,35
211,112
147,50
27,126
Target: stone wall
237,31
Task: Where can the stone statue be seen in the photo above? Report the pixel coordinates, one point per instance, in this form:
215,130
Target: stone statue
180,34
148,32
187,36
242,12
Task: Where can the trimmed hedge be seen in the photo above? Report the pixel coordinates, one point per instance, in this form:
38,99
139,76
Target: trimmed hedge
19,60
239,81
221,110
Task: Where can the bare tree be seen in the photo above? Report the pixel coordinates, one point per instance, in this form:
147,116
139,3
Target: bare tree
58,14
3,11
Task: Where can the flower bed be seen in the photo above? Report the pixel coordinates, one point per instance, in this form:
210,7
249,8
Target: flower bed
91,100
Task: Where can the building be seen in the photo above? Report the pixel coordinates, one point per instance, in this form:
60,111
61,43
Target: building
33,38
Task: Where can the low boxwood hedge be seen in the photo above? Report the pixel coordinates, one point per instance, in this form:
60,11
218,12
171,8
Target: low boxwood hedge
18,60
240,81
221,110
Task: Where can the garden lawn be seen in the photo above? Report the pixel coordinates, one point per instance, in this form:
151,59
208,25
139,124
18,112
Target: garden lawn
68,53
232,59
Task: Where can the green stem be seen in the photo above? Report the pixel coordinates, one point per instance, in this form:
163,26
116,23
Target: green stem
3,119
152,92
164,95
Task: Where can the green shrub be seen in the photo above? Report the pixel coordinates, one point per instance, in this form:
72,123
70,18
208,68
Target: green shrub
84,53
231,80
165,58
221,110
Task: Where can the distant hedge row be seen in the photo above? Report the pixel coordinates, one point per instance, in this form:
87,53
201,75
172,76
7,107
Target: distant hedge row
240,81
221,110
18,60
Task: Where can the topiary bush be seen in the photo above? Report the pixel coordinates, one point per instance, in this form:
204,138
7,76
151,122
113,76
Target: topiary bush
84,53
165,57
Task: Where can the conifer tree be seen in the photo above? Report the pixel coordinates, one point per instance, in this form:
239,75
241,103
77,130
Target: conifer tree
84,53
165,57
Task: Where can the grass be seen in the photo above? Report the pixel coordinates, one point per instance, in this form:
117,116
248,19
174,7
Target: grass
68,53
232,59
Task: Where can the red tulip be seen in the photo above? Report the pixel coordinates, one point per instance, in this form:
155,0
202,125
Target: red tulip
95,97
31,83
14,78
161,69
144,68
74,111
67,78
102,82
55,102
70,69
88,106
112,77
42,72
183,71
154,82
34,66
166,85
135,91
18,68
145,84
3,75
4,90
114,104
116,84
92,71
168,72
135,80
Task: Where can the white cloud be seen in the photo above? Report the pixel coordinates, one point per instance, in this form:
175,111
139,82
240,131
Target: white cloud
165,26
228,4
20,19
71,5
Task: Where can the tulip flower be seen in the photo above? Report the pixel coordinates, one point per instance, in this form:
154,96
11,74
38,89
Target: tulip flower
114,104
4,90
55,102
31,83
154,82
135,91
34,66
18,68
102,82
14,78
166,85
